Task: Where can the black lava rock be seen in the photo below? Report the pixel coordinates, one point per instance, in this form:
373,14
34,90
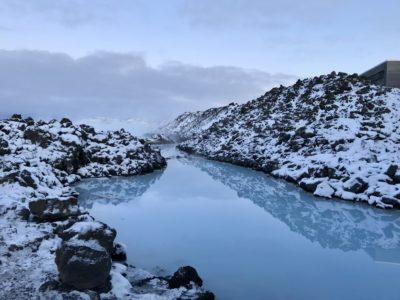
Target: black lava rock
83,265
119,253
183,277
54,209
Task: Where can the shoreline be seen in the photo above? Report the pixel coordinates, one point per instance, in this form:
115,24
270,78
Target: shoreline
58,249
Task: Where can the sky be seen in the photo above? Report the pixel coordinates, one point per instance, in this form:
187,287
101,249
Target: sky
150,60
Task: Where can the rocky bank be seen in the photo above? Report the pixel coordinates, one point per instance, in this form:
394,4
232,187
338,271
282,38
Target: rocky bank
336,136
50,247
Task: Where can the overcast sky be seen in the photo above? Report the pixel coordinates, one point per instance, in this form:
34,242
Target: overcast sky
152,60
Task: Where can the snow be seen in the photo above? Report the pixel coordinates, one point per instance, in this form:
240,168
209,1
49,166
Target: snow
84,227
121,287
324,190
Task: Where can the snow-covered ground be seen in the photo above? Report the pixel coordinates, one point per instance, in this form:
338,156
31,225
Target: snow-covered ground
334,135
39,162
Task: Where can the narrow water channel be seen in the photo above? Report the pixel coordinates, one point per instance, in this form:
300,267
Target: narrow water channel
249,236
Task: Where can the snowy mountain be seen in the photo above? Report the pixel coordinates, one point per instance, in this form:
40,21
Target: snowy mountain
334,135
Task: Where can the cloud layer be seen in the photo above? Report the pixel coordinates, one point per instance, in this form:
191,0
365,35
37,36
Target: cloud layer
258,13
44,84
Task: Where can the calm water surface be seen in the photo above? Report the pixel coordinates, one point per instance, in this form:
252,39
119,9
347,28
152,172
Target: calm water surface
248,235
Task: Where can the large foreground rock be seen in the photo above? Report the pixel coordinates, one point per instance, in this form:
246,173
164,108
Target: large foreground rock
83,264
54,209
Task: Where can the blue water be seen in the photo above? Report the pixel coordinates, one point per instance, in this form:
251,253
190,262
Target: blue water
248,235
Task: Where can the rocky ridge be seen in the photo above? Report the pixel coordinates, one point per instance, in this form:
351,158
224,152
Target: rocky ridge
187,125
334,135
50,248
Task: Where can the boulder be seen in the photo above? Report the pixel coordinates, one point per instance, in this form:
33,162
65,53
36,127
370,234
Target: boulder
23,213
26,176
355,185
37,136
119,252
394,202
91,230
391,171
9,178
16,117
270,166
65,122
309,184
325,171
4,150
54,209
183,277
83,264
29,121
71,162
324,189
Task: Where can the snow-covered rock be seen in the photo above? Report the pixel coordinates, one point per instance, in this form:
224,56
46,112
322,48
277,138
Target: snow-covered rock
54,209
54,249
83,264
91,230
336,130
46,157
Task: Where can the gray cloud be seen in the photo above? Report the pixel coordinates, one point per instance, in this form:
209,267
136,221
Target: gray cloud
5,28
71,13
44,84
259,13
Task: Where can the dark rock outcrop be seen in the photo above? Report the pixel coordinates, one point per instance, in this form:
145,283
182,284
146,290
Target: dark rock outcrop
184,276
38,136
26,176
83,264
54,209
23,213
356,185
119,252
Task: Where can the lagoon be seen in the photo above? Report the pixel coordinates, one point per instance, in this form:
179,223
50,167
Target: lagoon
249,236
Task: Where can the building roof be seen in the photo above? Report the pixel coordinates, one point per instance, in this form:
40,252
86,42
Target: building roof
378,65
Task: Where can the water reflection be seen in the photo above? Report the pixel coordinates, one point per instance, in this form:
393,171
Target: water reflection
115,190
332,224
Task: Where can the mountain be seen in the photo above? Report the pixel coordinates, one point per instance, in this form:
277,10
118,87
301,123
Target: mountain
334,135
